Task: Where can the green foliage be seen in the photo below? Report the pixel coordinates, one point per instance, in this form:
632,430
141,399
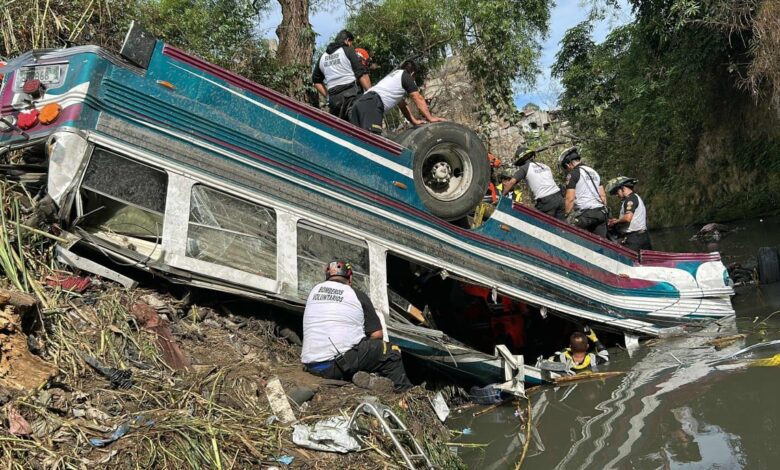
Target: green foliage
220,31
658,100
500,40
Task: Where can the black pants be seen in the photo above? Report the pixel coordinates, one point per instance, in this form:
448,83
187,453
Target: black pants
340,103
592,220
370,355
367,112
637,241
551,205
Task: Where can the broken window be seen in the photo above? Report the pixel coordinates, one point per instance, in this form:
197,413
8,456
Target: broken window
123,196
232,232
317,248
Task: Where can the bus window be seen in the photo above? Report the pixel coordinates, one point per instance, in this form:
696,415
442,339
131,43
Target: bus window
231,232
123,197
317,247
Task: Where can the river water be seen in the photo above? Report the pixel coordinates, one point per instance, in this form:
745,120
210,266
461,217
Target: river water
672,409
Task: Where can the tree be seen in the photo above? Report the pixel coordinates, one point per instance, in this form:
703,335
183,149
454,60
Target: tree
661,99
499,40
296,47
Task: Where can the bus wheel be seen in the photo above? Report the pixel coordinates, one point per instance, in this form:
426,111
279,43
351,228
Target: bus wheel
451,168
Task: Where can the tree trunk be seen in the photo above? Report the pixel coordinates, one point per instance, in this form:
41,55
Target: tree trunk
296,46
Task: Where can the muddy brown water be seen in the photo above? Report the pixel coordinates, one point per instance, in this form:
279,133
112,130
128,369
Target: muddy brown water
672,409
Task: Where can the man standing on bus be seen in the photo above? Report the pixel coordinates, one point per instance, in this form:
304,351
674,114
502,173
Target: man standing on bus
547,195
342,335
344,72
585,203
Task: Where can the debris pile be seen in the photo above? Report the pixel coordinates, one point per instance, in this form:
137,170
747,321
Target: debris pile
94,374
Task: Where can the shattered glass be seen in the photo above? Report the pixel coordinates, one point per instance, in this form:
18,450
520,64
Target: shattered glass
317,248
231,232
122,179
122,196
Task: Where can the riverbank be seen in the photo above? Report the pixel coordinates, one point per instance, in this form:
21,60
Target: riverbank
193,399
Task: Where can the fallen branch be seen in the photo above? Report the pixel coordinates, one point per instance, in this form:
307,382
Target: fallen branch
528,425
724,341
586,376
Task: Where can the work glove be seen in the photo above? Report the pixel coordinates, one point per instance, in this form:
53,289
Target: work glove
590,334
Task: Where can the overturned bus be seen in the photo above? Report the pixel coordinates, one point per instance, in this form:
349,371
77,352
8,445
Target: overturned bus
158,159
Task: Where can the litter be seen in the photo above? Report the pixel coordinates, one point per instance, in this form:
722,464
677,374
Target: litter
148,318
285,459
328,435
278,401
76,284
487,395
17,425
466,431
119,378
120,431
440,407
300,395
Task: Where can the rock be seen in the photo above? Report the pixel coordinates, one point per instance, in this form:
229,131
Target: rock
711,233
300,395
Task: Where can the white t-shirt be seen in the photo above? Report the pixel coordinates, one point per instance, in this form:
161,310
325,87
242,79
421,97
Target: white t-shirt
333,322
394,87
585,182
634,203
336,68
539,178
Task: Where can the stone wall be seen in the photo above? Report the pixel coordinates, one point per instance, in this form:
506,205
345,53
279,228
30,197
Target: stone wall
451,94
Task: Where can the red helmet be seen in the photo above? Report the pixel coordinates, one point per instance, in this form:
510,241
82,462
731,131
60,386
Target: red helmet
495,162
338,268
363,55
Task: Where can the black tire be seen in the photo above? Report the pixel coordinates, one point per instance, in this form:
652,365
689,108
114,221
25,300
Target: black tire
768,265
460,161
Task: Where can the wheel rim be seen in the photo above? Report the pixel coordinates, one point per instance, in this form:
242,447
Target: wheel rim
446,172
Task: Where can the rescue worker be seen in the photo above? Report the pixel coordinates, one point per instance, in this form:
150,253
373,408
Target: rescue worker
491,195
344,72
342,335
576,356
546,194
585,203
632,223
506,178
370,108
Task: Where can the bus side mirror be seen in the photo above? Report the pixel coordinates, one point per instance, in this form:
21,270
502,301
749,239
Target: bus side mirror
138,46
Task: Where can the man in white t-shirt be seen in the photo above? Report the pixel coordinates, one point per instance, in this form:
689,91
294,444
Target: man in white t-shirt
585,204
342,334
632,223
369,109
547,194
341,75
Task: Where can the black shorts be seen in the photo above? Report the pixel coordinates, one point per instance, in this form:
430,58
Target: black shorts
340,103
367,112
370,355
637,241
551,205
